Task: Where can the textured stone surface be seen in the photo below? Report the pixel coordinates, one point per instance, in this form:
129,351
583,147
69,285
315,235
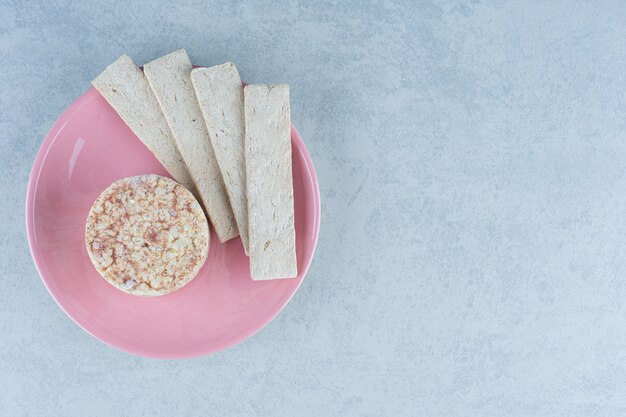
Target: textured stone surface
472,253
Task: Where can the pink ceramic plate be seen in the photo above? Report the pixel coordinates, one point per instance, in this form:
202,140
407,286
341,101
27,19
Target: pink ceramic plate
87,149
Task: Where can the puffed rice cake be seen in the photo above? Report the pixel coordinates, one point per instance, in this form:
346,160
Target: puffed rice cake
147,235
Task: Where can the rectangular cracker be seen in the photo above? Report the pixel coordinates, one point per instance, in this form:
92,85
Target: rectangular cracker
269,183
170,79
126,89
220,94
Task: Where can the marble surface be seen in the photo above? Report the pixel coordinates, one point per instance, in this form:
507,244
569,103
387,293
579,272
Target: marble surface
472,257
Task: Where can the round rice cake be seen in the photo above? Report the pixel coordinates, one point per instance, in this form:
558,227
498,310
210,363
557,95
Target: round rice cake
147,235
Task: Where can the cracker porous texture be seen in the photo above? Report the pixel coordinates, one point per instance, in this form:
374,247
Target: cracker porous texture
220,96
269,182
147,235
170,80
126,89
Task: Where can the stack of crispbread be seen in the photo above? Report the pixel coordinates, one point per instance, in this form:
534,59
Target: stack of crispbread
228,144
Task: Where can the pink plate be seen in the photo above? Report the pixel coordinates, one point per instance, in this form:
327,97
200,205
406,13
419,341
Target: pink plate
87,149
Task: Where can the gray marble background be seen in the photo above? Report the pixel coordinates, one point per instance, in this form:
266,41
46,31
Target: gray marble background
472,165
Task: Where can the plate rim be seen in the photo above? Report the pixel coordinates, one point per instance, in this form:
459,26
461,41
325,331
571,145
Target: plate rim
33,179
